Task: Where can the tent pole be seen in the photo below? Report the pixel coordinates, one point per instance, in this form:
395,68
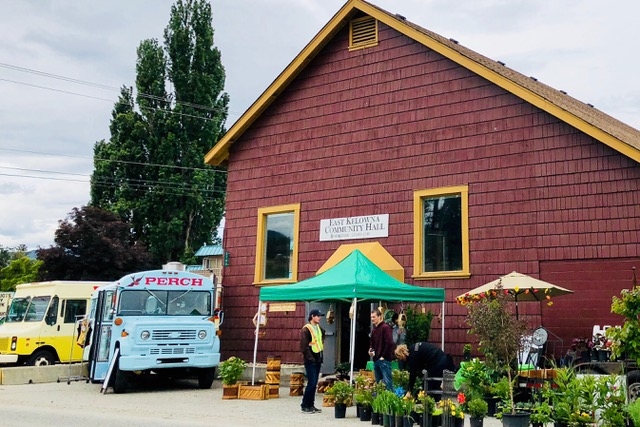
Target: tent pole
255,345
352,350
442,328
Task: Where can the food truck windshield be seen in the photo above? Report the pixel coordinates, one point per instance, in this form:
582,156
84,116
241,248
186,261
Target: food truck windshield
148,302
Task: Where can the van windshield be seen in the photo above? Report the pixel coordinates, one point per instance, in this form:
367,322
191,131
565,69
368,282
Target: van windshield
28,309
164,303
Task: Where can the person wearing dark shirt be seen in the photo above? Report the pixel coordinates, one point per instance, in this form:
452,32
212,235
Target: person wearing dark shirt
423,356
311,347
381,349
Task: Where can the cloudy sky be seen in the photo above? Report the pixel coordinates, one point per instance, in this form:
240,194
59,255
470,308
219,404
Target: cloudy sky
62,62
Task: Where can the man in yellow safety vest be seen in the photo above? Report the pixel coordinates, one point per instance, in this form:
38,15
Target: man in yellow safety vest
311,346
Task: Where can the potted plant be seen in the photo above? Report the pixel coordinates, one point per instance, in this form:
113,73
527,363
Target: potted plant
499,333
403,408
363,396
426,406
342,393
477,408
230,372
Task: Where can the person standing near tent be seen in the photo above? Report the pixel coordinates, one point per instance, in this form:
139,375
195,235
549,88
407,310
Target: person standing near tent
381,349
312,346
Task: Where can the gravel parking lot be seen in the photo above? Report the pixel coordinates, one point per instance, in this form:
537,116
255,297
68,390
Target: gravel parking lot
176,403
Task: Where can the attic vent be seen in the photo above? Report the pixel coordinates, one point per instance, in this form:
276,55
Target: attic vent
363,32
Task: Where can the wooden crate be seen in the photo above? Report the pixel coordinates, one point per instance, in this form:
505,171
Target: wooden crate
253,392
272,377
296,390
274,391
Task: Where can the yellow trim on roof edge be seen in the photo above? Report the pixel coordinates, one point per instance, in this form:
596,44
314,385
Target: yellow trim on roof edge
220,152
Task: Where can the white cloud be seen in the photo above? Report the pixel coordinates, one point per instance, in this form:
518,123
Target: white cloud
584,48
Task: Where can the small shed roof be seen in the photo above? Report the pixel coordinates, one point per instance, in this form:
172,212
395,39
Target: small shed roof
209,250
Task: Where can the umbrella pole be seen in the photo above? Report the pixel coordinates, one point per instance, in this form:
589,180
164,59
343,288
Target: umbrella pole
255,346
353,337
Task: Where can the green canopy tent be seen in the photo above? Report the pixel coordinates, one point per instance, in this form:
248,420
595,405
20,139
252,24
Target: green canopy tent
354,279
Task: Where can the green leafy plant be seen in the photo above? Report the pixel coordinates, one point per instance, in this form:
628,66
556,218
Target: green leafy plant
633,409
476,378
231,370
364,391
541,413
499,332
477,407
400,378
427,403
610,400
342,392
418,326
625,339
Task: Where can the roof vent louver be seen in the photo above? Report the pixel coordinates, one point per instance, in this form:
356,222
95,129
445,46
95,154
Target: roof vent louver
363,32
454,41
500,62
400,17
562,91
533,78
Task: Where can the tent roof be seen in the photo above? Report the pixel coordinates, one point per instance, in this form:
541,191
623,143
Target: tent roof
372,250
353,277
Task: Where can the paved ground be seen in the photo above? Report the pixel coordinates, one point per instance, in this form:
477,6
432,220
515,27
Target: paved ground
178,403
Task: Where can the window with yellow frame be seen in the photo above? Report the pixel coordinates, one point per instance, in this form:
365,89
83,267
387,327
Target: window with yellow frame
277,244
441,233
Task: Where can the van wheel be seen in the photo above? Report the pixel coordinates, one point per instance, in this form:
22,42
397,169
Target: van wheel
41,358
120,379
206,377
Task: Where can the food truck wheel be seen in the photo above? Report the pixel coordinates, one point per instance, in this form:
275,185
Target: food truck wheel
41,358
206,377
120,379
633,385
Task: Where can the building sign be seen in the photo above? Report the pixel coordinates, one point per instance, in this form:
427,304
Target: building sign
354,227
282,306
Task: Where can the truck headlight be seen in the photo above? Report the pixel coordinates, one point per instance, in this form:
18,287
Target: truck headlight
145,335
202,334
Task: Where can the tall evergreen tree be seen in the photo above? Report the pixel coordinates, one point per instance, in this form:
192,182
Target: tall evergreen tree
151,172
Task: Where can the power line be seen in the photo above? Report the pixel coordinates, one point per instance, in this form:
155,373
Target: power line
115,161
166,99
141,186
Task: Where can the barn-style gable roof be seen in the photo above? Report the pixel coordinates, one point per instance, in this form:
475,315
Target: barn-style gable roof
584,117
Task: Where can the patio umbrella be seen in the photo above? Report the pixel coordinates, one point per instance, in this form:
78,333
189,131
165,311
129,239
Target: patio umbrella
521,287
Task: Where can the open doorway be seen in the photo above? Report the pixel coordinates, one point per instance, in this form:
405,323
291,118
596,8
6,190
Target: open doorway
363,328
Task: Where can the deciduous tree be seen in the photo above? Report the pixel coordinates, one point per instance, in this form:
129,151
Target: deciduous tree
151,171
92,244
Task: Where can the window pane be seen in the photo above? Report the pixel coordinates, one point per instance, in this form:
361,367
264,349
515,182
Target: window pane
442,243
278,246
74,310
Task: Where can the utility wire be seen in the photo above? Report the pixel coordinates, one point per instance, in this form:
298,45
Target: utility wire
115,161
166,99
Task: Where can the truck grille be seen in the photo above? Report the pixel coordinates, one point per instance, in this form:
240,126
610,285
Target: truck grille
173,335
172,350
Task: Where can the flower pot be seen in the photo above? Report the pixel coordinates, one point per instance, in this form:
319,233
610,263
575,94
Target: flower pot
492,404
365,413
476,421
426,420
399,422
340,410
386,420
407,421
375,420
436,420
519,419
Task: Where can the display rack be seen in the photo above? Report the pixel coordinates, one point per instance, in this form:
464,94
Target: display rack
74,338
